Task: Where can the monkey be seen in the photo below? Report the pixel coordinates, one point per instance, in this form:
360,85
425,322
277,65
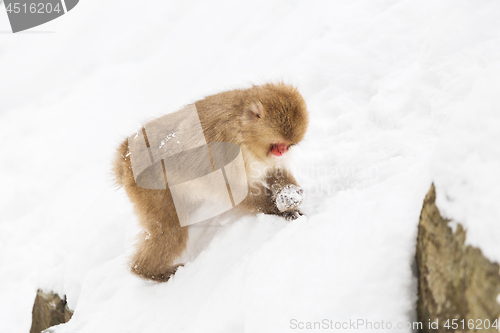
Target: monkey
265,121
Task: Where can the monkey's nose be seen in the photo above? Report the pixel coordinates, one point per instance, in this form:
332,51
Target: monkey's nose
278,149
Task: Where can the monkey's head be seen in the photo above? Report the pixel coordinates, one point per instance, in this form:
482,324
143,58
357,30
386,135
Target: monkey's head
274,119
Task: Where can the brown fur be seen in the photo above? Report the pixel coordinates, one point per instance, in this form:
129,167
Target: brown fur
254,119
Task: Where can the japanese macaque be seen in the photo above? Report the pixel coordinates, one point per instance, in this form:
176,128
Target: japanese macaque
265,122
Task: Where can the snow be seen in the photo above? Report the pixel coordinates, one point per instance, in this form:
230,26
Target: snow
288,197
167,138
466,165
400,93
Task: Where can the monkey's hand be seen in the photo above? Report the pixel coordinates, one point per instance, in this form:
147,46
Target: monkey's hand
291,215
287,199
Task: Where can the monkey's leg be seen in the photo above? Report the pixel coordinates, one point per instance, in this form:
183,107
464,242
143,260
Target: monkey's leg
157,251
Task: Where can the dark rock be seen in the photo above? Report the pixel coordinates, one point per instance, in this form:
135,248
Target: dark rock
455,280
49,310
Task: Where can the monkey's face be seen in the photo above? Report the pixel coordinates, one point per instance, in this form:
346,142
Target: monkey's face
277,120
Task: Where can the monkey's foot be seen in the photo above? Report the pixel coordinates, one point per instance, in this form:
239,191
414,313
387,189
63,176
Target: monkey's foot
158,277
289,197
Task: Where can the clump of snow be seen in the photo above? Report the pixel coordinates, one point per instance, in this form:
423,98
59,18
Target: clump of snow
289,197
167,138
381,80
466,165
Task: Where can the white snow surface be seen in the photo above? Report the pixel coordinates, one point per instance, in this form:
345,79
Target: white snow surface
382,80
466,165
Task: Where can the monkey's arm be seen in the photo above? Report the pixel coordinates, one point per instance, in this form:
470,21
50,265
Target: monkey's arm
278,194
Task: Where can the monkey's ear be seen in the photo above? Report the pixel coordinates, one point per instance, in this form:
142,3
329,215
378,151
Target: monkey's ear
257,110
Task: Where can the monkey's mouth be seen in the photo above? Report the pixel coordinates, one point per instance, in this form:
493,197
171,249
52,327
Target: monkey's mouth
278,149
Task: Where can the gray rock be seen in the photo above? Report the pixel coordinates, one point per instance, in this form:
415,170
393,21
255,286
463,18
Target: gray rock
49,310
455,280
